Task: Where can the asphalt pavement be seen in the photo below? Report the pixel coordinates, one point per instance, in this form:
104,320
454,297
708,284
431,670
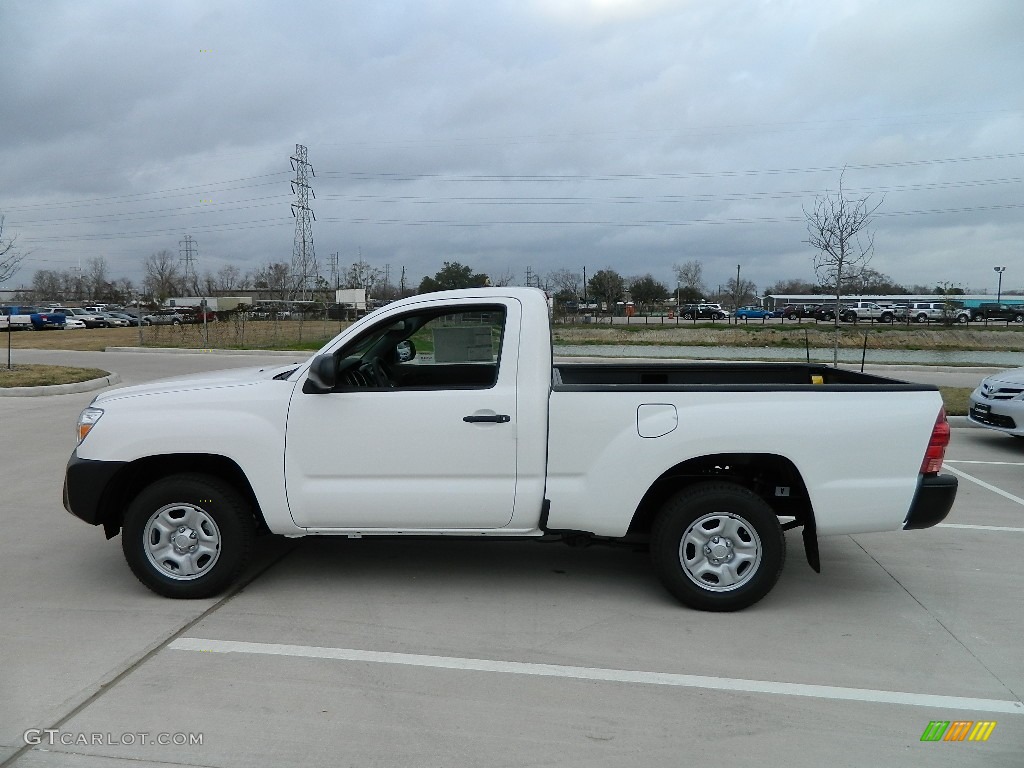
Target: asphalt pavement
395,652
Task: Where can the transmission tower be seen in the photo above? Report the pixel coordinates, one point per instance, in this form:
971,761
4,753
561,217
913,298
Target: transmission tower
304,266
335,275
189,250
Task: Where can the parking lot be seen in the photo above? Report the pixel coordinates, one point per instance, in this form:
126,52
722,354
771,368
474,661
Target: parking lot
381,652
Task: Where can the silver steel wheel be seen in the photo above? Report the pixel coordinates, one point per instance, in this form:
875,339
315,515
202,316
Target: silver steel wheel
720,552
182,541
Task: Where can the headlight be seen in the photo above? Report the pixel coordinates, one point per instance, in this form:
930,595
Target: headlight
87,420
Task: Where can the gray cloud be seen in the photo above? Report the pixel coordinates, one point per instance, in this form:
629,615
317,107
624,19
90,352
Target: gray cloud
506,135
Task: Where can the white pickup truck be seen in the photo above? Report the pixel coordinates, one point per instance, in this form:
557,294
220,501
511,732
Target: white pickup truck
442,414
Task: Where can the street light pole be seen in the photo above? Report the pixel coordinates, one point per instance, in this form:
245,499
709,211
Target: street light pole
999,290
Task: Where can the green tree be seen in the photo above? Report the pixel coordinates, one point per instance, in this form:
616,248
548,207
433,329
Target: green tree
607,286
453,276
645,290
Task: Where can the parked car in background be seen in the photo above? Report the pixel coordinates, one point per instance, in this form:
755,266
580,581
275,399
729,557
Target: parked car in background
91,319
793,311
855,311
171,316
72,323
998,402
702,312
128,319
14,319
113,321
753,313
993,311
936,311
828,311
33,317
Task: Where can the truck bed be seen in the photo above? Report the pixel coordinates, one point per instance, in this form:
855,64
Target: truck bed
676,376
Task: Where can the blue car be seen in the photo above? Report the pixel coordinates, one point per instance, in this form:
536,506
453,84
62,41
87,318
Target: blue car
753,313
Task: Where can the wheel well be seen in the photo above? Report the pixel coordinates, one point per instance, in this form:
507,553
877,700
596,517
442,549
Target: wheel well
135,476
762,473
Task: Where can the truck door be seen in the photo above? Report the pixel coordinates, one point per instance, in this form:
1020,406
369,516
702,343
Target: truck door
420,430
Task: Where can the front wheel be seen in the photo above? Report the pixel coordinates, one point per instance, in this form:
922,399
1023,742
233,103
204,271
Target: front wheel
717,547
187,536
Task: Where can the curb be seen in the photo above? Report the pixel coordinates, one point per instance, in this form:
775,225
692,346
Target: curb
61,389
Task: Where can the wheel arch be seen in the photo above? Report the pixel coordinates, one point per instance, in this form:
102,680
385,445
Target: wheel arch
134,476
765,474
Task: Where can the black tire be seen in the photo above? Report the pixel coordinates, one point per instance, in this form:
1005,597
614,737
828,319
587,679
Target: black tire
205,511
745,523
887,317
961,319
1018,318
688,316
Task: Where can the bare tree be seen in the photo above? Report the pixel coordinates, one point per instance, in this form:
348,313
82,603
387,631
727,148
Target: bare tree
275,277
361,274
690,274
10,257
162,276
742,293
505,278
567,283
837,228
96,277
228,278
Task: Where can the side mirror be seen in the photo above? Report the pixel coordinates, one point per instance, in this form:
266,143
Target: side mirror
322,375
404,351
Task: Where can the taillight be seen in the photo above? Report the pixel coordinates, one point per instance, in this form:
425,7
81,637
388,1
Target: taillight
932,463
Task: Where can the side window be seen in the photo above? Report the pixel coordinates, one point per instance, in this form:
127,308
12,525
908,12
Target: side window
457,349
428,350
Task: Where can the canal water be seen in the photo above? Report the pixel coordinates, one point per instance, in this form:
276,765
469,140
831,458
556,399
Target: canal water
818,354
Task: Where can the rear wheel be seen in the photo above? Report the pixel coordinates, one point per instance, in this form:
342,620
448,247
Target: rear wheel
922,318
717,547
187,536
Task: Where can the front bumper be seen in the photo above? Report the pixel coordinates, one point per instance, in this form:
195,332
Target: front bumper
932,501
85,483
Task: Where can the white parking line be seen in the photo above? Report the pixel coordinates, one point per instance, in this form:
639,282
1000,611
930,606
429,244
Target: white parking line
605,675
981,527
993,463
983,484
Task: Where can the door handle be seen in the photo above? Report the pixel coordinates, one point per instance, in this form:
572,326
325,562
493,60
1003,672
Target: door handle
498,418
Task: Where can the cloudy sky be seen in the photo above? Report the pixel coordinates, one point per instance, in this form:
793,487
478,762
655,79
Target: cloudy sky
549,134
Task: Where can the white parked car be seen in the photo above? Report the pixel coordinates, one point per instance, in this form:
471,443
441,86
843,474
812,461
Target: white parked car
72,323
998,402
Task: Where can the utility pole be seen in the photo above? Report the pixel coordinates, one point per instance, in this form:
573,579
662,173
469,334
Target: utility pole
304,266
736,298
401,285
189,250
